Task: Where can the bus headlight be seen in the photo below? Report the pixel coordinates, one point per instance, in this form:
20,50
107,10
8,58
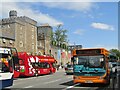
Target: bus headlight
101,77
75,77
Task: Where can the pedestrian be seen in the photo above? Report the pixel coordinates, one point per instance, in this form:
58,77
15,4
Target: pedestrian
58,67
36,72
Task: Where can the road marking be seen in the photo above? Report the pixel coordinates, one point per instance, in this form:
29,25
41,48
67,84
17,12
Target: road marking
70,86
53,81
16,82
28,87
70,77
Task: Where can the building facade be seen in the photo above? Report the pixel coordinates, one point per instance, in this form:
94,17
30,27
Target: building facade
44,38
19,32
24,34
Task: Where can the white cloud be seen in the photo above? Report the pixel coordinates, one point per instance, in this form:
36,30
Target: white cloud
26,10
76,6
102,26
79,32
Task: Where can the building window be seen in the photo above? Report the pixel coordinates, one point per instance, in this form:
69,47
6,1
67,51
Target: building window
11,42
21,27
21,44
32,28
4,40
21,35
8,26
32,36
33,46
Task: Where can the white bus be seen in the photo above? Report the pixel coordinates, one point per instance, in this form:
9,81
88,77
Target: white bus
6,67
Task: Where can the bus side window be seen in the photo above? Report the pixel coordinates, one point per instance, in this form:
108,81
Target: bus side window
47,65
5,68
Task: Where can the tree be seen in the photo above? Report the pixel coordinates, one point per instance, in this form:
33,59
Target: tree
59,36
115,51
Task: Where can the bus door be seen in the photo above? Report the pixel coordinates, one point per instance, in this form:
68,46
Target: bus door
15,62
53,67
22,65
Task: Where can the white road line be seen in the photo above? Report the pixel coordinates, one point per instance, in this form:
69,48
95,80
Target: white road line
70,77
53,81
28,87
70,86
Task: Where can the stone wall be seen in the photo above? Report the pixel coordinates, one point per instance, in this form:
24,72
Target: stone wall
22,31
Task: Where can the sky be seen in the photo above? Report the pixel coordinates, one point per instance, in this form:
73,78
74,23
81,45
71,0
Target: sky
90,24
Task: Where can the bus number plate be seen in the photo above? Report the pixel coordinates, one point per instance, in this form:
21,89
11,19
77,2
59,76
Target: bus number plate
88,81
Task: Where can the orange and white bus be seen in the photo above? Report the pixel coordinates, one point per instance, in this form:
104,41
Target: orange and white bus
91,66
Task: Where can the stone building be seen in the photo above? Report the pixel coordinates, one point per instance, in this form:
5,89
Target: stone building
24,34
44,38
19,32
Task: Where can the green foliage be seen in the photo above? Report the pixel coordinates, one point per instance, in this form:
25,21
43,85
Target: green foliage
59,37
116,52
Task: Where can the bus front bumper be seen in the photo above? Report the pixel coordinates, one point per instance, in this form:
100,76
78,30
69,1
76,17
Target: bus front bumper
6,83
90,81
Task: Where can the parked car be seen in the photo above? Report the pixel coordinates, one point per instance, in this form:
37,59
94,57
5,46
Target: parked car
112,66
69,69
118,68
115,69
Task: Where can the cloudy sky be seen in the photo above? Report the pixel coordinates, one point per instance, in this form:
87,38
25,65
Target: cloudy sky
91,24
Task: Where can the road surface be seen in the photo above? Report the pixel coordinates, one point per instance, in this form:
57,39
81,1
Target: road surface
57,81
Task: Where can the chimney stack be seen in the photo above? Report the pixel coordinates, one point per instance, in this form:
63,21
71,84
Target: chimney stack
12,14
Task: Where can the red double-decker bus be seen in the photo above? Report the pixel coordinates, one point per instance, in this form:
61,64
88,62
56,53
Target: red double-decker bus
46,64
36,65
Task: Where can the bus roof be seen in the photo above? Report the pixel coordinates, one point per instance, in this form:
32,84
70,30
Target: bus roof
89,51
